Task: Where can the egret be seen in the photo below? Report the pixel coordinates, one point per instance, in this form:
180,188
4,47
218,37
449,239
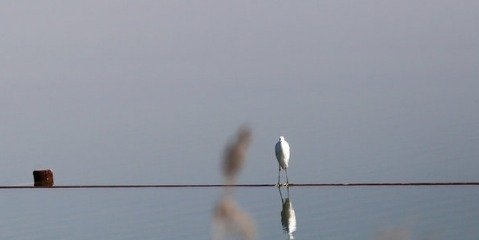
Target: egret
282,155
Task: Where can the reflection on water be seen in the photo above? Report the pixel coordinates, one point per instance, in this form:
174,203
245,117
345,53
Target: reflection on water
362,213
229,221
288,215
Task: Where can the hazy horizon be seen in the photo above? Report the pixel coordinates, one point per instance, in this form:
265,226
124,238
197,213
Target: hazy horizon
149,92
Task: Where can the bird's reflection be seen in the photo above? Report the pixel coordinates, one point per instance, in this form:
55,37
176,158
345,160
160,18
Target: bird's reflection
288,216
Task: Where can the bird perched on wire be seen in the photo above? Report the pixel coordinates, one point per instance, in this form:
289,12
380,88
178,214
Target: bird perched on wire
282,151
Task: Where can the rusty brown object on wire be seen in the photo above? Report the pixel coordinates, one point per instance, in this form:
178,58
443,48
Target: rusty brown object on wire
43,178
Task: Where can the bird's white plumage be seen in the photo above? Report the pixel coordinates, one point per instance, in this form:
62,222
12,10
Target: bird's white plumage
282,152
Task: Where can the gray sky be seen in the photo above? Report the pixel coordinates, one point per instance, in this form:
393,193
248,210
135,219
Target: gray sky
150,91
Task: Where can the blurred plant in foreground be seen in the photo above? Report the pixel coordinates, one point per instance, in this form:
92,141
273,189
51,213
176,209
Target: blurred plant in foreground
229,221
235,155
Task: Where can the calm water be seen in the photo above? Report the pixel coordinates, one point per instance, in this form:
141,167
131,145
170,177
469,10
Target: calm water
186,213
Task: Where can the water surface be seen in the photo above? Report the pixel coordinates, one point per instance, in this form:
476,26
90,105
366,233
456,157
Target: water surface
437,212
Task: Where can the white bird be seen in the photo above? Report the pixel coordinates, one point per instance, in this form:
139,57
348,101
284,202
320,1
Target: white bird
282,155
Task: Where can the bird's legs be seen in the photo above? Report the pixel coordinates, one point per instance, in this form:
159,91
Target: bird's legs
279,175
287,181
